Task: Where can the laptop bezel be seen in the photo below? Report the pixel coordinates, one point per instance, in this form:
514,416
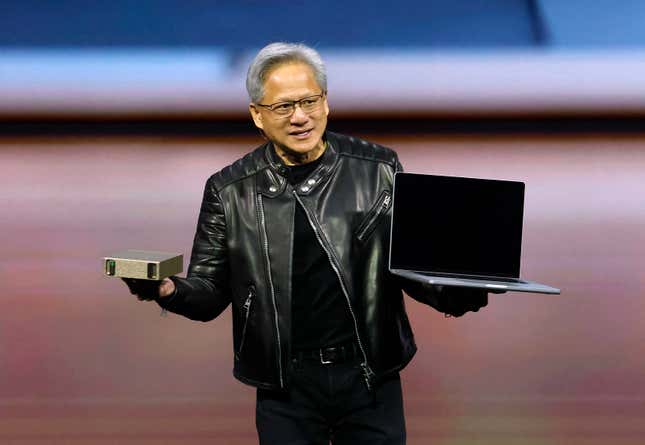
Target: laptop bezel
515,278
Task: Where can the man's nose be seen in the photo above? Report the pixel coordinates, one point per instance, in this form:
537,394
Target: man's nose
298,115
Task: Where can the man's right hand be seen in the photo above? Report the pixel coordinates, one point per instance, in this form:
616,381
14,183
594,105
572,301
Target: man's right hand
455,301
150,289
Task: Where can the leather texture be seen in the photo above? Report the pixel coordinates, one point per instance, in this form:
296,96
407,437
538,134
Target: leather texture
243,246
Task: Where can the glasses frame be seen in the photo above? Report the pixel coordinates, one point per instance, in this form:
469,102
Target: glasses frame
293,104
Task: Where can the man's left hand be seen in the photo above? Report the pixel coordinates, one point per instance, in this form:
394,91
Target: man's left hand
456,301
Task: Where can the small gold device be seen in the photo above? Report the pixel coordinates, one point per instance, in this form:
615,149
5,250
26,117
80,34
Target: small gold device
143,264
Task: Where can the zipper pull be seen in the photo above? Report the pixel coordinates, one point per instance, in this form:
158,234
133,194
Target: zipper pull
386,202
247,303
368,375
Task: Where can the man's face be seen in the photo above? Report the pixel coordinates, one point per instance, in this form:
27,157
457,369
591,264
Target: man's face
297,137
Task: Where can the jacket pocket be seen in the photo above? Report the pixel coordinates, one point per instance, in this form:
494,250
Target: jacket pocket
370,221
246,308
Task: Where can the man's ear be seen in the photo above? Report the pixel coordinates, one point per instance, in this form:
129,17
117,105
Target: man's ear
257,117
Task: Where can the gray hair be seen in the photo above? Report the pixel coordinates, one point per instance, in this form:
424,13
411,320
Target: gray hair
279,53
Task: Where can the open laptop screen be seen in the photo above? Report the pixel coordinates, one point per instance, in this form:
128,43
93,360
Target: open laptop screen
455,225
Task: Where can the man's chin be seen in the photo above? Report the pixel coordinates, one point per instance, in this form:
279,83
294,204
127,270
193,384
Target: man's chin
300,149
298,154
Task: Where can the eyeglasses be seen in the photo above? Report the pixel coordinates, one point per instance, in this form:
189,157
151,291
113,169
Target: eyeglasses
307,104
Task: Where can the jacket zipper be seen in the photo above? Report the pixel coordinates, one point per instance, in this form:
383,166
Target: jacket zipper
271,288
381,207
247,312
368,374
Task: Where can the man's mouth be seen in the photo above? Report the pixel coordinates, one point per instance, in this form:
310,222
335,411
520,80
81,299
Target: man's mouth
301,134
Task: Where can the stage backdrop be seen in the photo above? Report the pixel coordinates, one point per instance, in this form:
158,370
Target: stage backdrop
82,361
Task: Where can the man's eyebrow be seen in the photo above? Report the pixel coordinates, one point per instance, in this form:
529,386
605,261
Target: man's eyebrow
285,99
282,100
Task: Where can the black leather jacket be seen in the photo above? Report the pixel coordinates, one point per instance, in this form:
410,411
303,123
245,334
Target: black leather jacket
242,255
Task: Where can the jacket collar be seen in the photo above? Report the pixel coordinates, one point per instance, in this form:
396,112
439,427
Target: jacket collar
273,181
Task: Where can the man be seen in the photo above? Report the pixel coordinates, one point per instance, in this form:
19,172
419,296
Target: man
295,236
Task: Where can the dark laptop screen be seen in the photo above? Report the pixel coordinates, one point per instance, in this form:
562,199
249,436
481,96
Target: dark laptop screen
457,225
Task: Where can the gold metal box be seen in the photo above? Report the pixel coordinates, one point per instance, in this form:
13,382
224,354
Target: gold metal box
143,264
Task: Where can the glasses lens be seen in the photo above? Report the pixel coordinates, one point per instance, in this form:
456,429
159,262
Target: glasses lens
283,109
309,104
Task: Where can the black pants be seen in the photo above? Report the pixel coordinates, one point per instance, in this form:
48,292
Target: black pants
331,402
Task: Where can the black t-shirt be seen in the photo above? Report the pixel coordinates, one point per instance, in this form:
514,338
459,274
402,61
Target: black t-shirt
320,316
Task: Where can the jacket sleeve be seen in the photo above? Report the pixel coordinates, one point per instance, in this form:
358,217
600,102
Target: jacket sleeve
205,293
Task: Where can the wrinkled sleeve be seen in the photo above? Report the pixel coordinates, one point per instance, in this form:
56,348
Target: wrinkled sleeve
205,293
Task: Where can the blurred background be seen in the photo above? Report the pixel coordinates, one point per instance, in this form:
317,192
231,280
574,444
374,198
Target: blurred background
113,115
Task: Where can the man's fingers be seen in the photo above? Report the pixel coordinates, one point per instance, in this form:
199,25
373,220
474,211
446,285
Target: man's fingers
466,300
497,291
132,285
478,301
143,289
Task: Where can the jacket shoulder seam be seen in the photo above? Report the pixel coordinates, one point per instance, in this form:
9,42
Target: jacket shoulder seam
391,163
361,149
219,179
220,185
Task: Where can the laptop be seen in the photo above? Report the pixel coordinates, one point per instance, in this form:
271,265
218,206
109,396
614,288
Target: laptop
454,231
